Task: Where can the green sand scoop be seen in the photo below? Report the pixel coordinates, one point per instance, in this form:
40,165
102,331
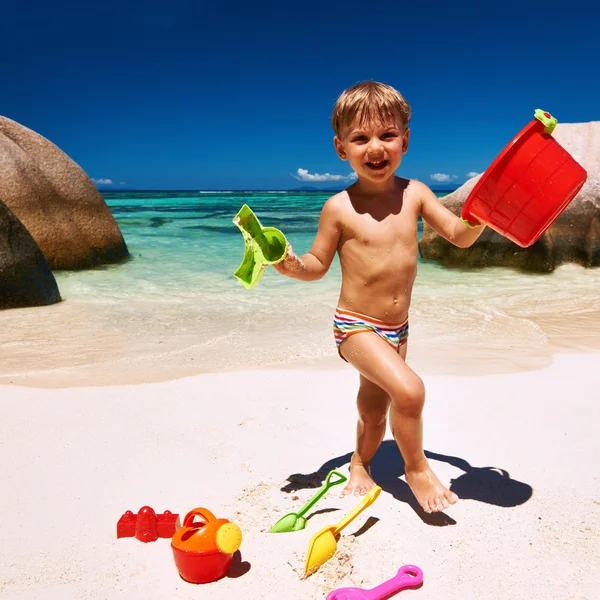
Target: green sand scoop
262,246
296,521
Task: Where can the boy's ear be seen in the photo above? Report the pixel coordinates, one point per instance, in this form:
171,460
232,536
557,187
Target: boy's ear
405,139
339,148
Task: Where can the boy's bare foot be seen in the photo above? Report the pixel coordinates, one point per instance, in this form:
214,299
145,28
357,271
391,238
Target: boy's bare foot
360,480
428,490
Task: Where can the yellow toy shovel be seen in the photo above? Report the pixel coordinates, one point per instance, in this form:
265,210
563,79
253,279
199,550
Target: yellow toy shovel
322,545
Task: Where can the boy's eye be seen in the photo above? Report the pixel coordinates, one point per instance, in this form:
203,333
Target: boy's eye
359,138
388,135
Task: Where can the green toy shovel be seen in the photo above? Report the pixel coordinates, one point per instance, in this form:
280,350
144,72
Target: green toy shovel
295,521
262,246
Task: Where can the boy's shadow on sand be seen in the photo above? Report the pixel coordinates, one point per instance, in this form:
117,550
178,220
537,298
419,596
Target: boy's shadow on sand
485,484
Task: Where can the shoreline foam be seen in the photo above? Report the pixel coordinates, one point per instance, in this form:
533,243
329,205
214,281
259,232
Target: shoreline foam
490,322
454,356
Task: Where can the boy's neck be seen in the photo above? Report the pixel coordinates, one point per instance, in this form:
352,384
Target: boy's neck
374,188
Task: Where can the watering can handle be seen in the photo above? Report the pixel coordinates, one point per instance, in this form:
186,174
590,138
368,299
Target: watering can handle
203,513
329,483
366,501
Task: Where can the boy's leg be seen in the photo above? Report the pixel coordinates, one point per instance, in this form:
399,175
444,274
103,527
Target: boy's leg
378,362
373,405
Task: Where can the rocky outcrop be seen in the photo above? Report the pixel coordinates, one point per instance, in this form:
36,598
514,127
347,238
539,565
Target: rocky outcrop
25,277
56,201
573,238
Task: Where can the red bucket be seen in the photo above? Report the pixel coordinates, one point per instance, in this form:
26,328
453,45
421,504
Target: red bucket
528,185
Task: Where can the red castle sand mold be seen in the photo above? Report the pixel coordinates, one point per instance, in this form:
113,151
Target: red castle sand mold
147,526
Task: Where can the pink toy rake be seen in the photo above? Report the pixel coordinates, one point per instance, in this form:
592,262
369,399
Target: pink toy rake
407,577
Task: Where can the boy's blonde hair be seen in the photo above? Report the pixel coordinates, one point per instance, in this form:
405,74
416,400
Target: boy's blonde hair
369,100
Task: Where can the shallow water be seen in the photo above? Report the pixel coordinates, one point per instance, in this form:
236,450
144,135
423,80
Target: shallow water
175,308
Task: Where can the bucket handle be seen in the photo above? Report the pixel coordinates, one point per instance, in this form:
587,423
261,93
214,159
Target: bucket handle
547,120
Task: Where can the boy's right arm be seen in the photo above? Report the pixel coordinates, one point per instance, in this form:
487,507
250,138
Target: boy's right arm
314,264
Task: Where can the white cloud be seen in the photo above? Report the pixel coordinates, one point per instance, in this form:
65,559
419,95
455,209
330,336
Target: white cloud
443,178
304,175
102,181
122,183
472,174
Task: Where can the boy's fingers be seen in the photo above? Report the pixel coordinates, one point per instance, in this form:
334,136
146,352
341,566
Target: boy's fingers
290,254
280,267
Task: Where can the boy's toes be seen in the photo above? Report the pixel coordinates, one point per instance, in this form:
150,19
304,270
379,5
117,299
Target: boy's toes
451,497
363,490
442,503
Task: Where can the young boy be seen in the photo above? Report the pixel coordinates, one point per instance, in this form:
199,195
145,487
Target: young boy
373,227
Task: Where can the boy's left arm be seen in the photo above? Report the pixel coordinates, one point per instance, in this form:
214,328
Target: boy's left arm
445,222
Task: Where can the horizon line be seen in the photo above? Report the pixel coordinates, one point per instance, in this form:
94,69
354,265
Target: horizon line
196,190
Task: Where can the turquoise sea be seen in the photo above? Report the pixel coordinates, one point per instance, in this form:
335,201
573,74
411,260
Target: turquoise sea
175,308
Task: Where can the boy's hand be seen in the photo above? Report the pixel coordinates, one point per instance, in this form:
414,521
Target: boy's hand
290,264
471,222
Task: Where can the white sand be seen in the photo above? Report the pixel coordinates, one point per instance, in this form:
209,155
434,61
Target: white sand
73,460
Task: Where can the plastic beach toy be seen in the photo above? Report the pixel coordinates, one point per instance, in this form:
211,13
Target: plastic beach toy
407,577
147,526
203,548
262,246
296,521
528,185
323,544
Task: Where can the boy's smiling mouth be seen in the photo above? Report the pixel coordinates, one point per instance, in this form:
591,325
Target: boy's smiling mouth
378,164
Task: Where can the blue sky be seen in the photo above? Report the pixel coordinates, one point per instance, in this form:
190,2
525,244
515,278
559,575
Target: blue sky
238,95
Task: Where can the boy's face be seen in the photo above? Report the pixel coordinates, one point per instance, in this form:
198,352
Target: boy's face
373,149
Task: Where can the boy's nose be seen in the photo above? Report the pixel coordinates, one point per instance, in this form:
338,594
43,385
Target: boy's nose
374,146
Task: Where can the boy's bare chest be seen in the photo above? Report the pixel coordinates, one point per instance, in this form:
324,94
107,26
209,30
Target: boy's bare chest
387,232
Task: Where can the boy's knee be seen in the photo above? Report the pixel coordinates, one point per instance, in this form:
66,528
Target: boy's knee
373,404
372,417
410,397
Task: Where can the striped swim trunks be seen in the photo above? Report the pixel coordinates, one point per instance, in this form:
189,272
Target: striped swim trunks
347,323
